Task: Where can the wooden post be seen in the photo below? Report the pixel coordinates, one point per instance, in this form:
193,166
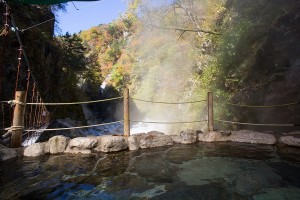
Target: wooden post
126,113
18,120
210,111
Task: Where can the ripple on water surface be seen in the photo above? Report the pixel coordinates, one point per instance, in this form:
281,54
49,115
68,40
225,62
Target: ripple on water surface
201,171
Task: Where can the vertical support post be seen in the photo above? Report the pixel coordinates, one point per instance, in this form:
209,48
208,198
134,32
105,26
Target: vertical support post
18,120
210,111
126,113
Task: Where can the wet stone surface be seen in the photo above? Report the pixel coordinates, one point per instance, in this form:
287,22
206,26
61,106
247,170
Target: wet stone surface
198,171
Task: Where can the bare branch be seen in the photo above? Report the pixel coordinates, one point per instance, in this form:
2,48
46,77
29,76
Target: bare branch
185,30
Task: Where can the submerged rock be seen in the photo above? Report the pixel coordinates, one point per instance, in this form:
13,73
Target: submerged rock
179,155
110,143
154,167
289,193
58,144
198,172
7,153
253,181
290,141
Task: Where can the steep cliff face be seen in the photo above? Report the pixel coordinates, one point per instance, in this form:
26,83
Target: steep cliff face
267,72
280,55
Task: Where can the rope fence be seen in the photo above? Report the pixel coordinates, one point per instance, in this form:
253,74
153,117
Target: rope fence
164,102
153,122
126,120
255,124
258,106
76,103
75,127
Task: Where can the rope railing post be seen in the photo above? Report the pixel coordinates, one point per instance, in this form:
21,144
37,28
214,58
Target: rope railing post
126,113
18,120
210,106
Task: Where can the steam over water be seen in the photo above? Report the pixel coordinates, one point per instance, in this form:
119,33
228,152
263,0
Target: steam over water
164,72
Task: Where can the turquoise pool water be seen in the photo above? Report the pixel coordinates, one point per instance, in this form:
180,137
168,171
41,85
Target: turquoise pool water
200,171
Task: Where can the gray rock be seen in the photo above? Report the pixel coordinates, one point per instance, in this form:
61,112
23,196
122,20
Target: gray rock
83,142
36,149
7,153
133,143
212,137
246,136
110,143
154,139
76,150
176,138
186,137
290,141
47,147
243,136
58,144
225,132
155,133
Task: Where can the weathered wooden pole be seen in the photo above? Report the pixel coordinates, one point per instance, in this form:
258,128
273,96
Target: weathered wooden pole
210,105
18,120
126,113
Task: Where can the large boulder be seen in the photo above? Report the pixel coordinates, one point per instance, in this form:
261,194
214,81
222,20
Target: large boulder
111,143
290,141
76,150
58,144
247,136
133,143
213,136
186,137
154,139
244,136
7,153
83,142
36,149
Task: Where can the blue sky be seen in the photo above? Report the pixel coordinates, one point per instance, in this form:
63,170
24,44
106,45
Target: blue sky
90,13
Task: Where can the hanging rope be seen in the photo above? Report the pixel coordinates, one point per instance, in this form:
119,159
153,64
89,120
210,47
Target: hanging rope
39,113
5,34
21,45
27,88
31,106
35,111
3,117
18,69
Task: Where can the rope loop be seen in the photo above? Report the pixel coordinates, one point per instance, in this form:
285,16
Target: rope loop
14,128
14,102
